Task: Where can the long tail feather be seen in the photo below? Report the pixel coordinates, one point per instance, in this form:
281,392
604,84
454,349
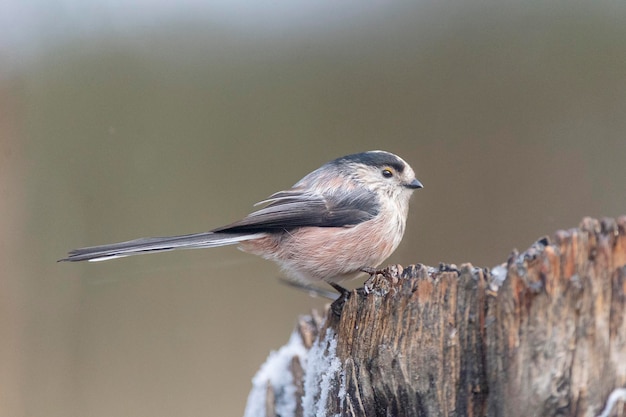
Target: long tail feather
156,244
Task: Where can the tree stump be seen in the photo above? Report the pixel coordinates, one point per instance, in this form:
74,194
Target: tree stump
543,334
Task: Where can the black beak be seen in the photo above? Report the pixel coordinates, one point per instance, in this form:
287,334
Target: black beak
415,184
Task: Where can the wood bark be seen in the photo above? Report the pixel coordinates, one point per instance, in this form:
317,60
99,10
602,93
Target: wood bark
542,335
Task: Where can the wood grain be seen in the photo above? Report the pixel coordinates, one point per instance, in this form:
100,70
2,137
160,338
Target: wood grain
549,339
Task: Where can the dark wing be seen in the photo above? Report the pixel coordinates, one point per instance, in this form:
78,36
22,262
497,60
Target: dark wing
295,208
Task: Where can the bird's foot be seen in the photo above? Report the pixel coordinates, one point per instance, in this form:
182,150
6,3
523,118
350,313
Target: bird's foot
372,282
375,271
337,305
368,286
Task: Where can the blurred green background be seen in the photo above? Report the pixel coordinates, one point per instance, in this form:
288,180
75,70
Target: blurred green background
123,120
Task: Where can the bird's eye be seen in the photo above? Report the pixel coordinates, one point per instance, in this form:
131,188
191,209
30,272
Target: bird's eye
387,173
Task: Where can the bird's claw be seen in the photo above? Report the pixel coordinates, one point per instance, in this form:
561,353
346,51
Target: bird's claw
337,305
368,286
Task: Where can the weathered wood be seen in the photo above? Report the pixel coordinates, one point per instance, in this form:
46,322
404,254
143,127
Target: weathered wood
403,347
544,335
558,346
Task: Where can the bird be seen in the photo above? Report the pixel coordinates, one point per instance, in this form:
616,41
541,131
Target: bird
339,221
